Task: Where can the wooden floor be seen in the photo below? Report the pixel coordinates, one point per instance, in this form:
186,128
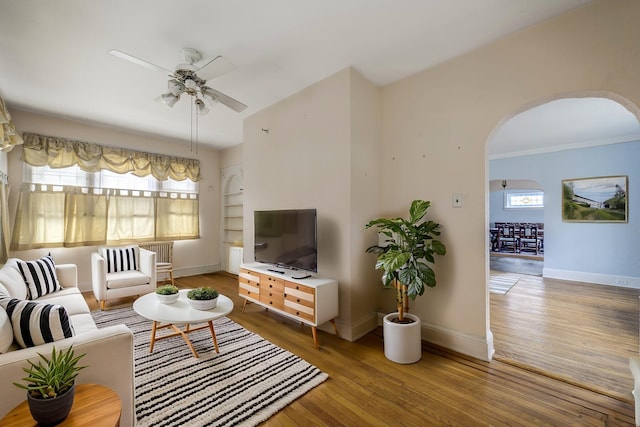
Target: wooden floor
580,332
444,388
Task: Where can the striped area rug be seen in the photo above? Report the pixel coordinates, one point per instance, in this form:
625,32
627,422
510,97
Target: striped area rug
502,284
247,382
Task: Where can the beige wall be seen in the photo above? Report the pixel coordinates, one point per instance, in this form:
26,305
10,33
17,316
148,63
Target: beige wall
304,161
231,156
434,129
437,123
190,256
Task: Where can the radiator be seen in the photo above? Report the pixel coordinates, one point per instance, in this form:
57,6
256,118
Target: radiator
163,250
235,259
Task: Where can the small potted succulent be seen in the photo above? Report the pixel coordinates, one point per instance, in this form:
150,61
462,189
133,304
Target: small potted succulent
50,385
204,298
167,294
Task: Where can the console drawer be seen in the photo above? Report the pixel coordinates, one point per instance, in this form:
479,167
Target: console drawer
300,310
247,290
272,283
272,299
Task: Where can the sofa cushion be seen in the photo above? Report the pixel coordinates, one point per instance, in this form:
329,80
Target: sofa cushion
40,276
35,323
83,323
70,298
125,279
121,258
11,278
6,331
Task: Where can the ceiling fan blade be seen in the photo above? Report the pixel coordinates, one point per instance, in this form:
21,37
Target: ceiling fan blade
138,61
215,67
226,100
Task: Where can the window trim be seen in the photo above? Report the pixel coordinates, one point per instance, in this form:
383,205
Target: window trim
535,193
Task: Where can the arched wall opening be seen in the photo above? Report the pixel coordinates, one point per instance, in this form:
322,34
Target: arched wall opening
593,253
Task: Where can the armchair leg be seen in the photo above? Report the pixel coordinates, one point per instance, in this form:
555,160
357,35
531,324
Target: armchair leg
102,304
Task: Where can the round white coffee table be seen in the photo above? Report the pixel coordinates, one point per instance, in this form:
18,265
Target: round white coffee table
180,313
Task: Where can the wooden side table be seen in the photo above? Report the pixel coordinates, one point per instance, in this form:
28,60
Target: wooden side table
94,405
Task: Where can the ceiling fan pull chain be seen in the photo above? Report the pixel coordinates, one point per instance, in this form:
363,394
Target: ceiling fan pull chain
191,121
197,119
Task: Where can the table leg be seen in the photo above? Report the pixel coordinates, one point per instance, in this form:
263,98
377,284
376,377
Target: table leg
314,332
153,335
335,327
186,339
213,335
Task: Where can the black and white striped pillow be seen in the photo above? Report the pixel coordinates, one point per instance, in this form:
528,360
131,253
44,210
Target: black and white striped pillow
35,323
39,276
123,258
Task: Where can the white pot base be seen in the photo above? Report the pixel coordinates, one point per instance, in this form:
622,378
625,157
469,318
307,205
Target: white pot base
402,342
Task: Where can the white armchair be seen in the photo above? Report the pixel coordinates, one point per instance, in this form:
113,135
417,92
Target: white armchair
122,271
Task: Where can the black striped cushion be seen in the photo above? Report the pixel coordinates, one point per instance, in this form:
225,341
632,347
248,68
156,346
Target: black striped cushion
39,276
35,323
121,259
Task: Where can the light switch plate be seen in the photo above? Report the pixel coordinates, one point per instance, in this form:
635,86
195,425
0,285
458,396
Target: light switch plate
457,201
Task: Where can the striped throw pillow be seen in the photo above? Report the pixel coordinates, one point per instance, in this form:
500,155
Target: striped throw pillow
35,323
124,258
39,276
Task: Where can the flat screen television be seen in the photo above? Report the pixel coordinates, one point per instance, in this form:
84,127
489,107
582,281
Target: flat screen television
286,238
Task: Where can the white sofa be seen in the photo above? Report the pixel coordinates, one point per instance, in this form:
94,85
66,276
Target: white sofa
109,350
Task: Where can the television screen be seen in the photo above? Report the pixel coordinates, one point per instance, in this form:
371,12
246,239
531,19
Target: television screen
286,238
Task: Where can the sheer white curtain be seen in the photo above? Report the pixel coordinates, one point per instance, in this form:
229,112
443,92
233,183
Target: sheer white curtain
71,206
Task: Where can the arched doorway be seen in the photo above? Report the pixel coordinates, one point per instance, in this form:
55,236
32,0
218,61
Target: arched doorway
516,207
563,138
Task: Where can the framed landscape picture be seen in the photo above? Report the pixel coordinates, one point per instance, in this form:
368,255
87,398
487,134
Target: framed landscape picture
601,199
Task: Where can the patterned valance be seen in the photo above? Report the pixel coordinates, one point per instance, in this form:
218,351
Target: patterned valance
9,138
40,150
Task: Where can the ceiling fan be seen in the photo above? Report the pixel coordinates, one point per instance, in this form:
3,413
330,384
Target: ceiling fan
185,80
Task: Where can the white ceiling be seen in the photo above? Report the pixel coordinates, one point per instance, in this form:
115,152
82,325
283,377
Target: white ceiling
54,56
564,124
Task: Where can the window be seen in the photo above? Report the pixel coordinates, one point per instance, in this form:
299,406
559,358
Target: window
71,207
527,199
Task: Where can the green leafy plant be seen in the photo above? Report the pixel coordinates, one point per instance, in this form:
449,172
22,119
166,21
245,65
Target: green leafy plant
166,290
204,293
52,377
408,249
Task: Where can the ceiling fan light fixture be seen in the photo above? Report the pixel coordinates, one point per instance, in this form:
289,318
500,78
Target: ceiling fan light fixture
211,98
175,87
190,84
170,99
201,107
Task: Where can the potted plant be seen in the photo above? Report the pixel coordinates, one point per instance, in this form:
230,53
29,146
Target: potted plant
408,249
50,385
204,298
167,294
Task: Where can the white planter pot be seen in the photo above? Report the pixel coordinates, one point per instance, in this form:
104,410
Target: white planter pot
167,299
402,342
203,304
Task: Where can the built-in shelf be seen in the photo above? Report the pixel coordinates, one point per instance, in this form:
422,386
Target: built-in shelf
232,214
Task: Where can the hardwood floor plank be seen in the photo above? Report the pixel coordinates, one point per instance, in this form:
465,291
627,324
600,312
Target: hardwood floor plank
443,389
582,332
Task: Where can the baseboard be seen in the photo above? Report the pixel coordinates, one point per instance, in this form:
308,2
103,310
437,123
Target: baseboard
474,346
471,345
360,328
194,271
596,278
